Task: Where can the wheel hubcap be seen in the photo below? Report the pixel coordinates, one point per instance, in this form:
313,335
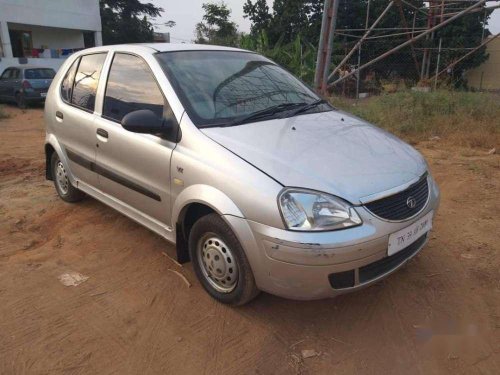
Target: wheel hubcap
218,263
62,178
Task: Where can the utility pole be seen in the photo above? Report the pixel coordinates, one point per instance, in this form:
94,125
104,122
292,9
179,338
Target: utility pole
437,64
409,36
426,55
358,82
325,47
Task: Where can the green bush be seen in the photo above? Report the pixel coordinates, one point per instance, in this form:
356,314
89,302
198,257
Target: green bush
299,56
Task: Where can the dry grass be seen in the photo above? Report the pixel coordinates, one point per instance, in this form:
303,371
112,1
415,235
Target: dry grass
463,118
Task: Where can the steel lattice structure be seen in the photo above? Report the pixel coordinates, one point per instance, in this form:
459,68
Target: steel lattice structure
438,14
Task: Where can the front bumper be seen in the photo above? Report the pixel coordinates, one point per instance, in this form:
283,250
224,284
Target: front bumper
300,265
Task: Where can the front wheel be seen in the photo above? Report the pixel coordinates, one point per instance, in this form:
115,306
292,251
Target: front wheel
220,262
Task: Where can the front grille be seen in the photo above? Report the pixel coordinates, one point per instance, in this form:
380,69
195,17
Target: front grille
342,280
378,268
396,207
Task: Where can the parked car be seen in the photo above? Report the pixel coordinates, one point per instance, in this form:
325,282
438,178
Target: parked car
25,84
259,182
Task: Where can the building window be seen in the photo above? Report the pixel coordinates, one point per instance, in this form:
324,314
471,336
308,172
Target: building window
22,43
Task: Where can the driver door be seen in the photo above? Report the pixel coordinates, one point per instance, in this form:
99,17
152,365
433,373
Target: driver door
133,168
6,82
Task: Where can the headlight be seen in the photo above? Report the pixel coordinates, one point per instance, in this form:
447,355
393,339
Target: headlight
305,210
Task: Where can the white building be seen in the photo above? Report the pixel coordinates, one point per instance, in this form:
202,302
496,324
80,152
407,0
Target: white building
45,32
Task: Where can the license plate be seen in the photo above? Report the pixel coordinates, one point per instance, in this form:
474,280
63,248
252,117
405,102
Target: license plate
43,94
405,237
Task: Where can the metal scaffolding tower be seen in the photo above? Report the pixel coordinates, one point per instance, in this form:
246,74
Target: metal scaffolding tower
438,13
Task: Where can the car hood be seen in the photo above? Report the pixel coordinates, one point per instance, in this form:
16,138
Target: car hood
332,151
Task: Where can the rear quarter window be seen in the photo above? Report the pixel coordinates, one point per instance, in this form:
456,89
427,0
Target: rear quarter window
67,83
86,81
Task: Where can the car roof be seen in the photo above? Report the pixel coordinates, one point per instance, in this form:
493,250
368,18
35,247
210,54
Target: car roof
26,66
160,47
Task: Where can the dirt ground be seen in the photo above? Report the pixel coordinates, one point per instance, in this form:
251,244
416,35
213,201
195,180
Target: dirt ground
439,314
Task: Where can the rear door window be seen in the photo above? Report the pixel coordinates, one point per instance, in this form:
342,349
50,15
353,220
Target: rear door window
86,81
131,86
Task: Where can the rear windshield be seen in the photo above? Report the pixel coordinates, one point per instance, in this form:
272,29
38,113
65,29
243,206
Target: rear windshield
40,73
218,86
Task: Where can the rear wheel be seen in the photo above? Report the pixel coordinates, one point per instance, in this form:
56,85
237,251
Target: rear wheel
63,186
220,262
20,101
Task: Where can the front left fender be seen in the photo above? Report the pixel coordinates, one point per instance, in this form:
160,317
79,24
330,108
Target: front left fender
207,195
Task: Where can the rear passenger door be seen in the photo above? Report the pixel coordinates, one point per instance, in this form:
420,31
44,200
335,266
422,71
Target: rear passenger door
15,83
75,117
134,168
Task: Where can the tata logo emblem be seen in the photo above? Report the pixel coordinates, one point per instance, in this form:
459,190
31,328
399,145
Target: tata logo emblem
411,202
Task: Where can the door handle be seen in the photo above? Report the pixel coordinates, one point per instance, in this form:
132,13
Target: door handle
103,133
59,115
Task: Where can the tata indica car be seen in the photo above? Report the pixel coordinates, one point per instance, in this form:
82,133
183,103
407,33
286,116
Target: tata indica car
259,182
25,84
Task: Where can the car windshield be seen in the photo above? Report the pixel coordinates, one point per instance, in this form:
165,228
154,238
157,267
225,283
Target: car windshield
44,73
219,87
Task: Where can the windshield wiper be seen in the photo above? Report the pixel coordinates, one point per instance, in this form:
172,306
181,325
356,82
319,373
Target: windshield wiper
262,113
307,107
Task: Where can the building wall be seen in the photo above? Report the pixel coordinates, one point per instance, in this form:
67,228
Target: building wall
70,14
56,24
49,37
487,75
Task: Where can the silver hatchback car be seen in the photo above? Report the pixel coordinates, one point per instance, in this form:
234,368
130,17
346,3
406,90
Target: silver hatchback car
257,180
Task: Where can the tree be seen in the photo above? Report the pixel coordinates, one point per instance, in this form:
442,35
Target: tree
126,21
258,13
466,32
288,19
216,28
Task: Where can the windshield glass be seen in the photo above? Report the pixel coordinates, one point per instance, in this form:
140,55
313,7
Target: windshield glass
39,73
217,87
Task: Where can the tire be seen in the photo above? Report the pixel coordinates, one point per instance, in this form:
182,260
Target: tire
63,186
212,243
21,101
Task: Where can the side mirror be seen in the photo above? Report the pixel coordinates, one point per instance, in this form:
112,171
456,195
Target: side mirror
144,121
